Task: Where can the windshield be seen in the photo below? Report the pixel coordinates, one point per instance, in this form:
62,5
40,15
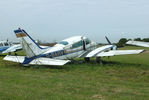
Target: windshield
63,42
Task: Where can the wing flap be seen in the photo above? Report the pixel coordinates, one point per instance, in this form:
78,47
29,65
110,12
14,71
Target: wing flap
119,52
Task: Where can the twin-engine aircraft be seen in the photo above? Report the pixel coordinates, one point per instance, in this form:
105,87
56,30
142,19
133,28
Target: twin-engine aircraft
62,52
138,43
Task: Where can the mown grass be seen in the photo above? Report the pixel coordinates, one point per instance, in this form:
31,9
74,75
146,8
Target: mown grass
119,78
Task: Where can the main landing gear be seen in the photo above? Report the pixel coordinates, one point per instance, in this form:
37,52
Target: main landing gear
97,59
87,59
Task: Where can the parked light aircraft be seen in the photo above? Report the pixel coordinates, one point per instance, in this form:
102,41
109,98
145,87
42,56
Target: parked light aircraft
62,52
138,43
7,47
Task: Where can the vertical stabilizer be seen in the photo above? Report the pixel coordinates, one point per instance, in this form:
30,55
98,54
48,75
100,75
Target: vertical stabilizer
30,47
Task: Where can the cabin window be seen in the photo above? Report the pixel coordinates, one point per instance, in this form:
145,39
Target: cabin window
63,42
78,44
6,44
1,44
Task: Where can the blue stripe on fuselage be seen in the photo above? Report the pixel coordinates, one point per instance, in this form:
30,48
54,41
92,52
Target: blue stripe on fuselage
3,48
48,55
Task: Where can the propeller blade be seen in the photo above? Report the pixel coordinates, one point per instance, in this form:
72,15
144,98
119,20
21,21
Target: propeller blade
108,40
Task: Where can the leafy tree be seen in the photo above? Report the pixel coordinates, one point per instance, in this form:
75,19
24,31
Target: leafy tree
121,42
137,39
129,40
145,39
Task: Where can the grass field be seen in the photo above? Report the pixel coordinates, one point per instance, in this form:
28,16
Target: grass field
119,78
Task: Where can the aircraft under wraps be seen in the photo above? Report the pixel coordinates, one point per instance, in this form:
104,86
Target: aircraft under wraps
62,52
138,43
7,47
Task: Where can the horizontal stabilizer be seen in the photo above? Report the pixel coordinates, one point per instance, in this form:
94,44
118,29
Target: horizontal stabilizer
98,50
37,61
18,59
138,43
48,61
119,52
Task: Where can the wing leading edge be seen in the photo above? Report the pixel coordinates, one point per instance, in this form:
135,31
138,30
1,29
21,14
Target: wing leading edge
99,50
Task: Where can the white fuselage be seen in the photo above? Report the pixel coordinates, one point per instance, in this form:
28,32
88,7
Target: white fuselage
70,48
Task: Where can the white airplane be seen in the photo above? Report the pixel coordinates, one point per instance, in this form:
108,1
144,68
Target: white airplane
7,47
138,43
62,52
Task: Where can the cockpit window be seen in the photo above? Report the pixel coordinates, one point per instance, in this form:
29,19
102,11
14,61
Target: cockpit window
78,44
63,42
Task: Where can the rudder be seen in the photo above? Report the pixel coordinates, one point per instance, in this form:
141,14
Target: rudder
30,47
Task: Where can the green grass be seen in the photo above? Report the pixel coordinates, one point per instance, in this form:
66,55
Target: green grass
119,78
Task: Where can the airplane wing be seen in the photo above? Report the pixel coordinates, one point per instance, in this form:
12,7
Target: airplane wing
138,43
37,61
99,50
13,48
119,52
106,51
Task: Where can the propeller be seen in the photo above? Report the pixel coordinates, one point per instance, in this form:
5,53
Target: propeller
108,41
114,46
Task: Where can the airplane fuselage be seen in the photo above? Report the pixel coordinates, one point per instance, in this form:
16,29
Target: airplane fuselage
71,50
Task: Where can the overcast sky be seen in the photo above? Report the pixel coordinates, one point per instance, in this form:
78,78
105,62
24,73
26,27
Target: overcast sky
54,20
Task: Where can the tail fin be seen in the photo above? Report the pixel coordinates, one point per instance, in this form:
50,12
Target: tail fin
30,47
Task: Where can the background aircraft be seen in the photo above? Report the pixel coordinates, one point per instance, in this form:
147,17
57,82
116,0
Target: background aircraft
138,43
62,52
7,47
